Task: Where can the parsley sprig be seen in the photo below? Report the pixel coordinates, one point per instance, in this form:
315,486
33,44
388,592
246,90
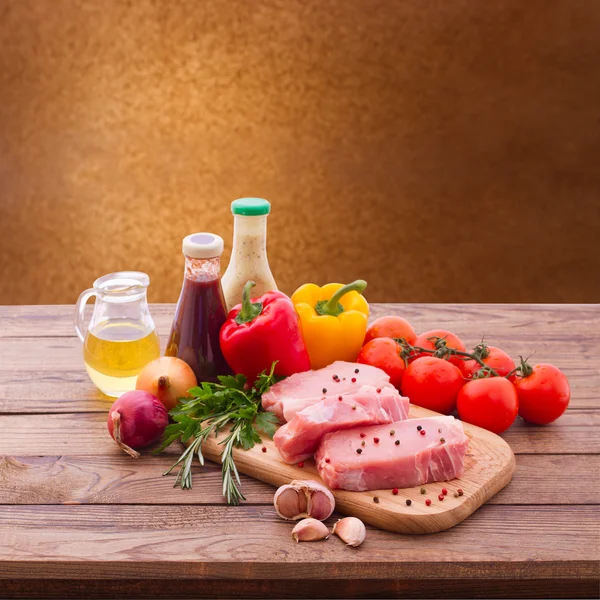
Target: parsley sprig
211,408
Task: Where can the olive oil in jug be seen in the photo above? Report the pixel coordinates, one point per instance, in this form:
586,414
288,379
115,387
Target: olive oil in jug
115,352
120,339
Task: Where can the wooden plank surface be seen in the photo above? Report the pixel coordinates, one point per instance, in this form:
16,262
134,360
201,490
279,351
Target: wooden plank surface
284,588
118,479
73,507
125,541
52,378
76,434
471,321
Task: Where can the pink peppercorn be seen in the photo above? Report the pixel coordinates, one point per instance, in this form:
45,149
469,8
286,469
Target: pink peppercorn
395,491
441,497
422,432
264,449
428,502
353,380
376,440
300,464
444,491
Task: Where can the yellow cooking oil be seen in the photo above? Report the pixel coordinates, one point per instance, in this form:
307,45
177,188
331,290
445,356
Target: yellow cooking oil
115,352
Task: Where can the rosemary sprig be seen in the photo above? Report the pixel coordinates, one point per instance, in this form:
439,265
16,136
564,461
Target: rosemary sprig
211,408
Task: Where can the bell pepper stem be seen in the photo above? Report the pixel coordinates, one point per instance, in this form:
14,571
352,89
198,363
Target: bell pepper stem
250,310
332,306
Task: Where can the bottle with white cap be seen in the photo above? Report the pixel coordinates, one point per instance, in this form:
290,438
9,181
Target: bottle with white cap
249,254
200,312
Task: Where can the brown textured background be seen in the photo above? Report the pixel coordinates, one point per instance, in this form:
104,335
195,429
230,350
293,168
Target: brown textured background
442,150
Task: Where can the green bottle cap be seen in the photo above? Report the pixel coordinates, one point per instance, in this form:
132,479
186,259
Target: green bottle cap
250,207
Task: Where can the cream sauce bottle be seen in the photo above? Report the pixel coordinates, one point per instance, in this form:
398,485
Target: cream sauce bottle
249,254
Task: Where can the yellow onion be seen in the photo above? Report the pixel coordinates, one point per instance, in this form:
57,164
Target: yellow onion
168,378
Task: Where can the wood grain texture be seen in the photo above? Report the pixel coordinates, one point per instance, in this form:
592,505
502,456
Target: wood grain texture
459,136
80,434
53,379
117,527
250,588
489,466
186,541
117,479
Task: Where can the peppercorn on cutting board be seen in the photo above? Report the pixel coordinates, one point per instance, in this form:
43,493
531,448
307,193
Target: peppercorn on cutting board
489,466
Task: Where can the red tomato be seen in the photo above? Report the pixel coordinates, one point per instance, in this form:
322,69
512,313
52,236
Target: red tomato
497,359
391,327
491,403
452,341
385,354
544,395
433,383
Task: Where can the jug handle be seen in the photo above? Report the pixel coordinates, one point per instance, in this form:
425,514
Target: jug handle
80,327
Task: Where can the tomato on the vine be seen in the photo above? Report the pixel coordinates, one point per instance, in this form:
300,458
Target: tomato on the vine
385,354
432,383
493,357
391,327
491,403
543,392
451,339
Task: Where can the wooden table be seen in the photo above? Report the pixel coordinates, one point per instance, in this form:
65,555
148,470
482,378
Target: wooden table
80,518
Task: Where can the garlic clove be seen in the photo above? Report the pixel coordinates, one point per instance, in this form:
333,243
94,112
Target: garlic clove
351,530
287,502
321,504
310,530
300,499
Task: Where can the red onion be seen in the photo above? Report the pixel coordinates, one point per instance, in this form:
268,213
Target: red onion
136,420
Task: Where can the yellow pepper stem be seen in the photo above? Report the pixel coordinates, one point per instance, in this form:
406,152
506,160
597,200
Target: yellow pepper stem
332,306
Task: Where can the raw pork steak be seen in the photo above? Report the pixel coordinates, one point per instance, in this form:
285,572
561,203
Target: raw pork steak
299,438
298,391
419,458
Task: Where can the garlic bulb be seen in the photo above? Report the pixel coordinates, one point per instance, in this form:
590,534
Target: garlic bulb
351,530
310,530
301,499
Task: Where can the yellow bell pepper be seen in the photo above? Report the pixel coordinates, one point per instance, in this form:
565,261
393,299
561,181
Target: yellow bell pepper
334,320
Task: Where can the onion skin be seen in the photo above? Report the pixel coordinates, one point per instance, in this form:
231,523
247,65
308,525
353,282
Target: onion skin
135,420
168,378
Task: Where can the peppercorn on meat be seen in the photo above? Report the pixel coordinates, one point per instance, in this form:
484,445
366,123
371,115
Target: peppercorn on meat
299,438
402,454
300,390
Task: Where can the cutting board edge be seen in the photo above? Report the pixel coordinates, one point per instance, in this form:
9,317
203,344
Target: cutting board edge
390,513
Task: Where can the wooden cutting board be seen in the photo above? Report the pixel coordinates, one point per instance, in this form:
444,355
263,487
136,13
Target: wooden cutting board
489,466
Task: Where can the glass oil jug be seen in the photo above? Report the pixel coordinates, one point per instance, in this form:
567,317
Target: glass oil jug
120,338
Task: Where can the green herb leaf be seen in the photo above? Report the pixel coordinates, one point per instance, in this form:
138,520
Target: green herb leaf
267,422
212,407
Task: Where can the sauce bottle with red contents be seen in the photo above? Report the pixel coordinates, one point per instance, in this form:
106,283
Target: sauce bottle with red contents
200,310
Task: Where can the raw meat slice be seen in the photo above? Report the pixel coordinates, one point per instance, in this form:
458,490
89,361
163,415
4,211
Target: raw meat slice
419,458
298,391
299,438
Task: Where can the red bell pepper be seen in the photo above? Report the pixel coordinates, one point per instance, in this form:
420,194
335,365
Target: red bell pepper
263,330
